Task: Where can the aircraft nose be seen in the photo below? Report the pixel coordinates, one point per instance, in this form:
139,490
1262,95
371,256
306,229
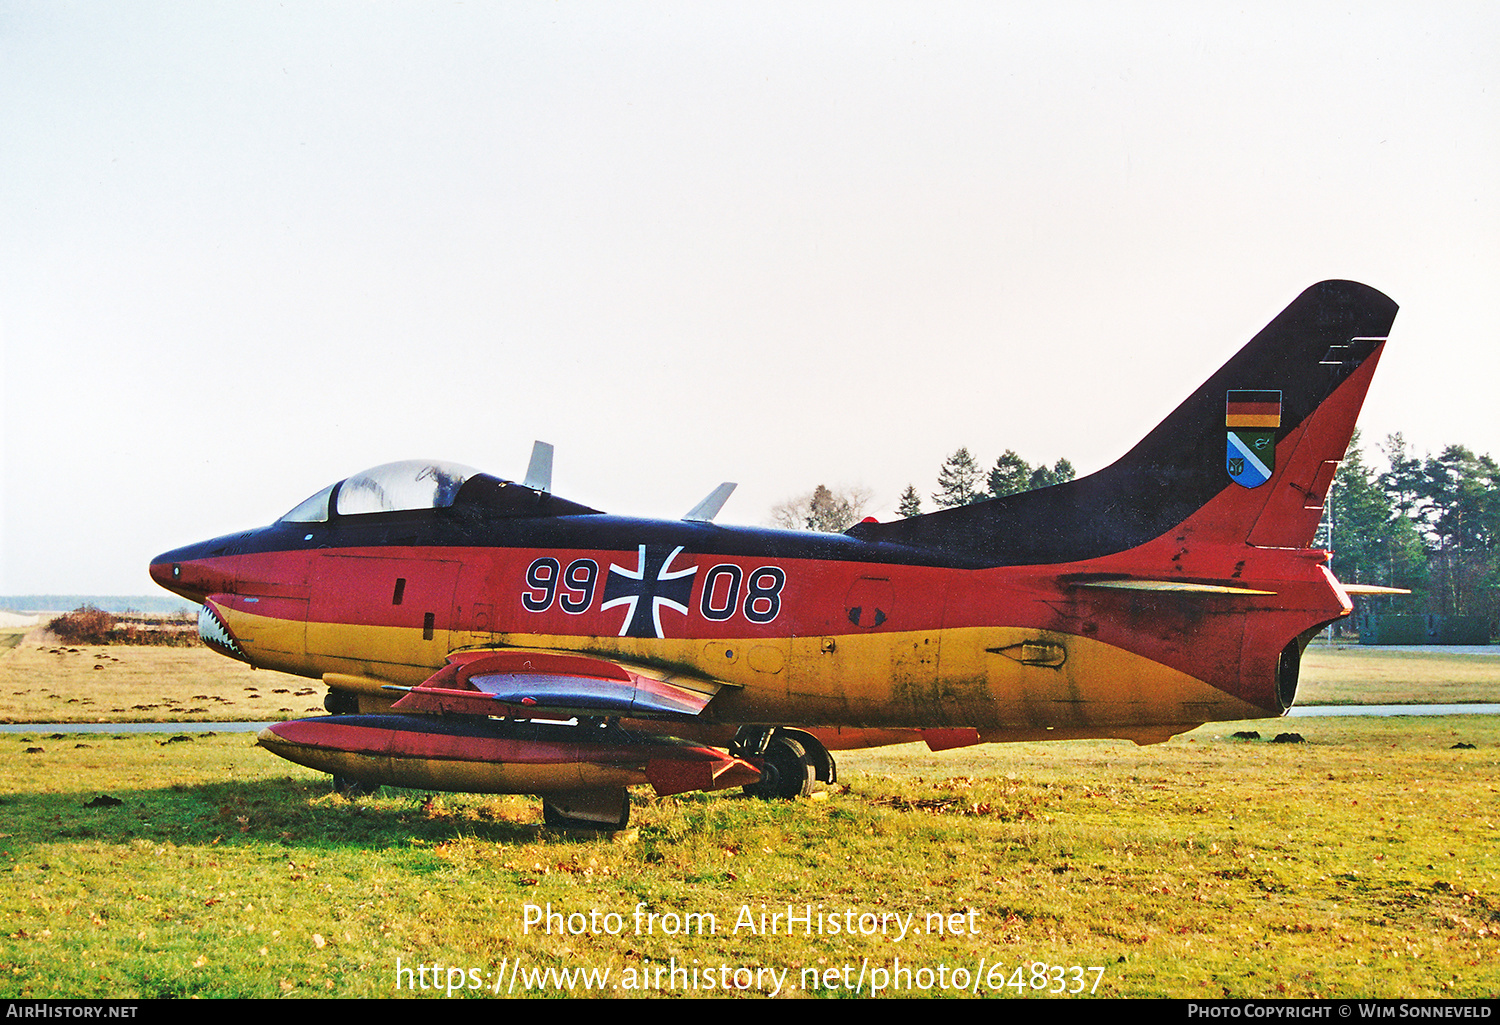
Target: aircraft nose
165,572
193,572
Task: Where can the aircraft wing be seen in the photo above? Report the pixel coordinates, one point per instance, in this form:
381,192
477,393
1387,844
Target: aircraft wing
528,683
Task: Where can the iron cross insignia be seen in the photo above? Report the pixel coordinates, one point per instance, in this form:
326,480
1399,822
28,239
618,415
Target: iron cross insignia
646,589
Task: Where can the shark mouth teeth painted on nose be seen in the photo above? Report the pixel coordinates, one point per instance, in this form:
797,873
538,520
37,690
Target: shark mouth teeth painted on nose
215,633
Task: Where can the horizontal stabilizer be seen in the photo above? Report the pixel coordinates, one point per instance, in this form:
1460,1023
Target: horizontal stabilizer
1181,586
523,683
1371,589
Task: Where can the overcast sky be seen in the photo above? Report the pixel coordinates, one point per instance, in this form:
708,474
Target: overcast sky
249,249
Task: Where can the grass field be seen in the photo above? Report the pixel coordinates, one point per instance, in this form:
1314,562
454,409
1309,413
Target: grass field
1364,862
1361,676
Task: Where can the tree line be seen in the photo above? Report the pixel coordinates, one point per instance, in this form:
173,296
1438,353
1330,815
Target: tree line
963,481
1431,525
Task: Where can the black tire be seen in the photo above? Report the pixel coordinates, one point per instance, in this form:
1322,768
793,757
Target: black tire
786,772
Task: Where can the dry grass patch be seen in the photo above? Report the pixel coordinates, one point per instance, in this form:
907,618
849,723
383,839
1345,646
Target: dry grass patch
125,683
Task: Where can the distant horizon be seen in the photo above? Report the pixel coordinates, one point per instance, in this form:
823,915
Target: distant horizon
25,604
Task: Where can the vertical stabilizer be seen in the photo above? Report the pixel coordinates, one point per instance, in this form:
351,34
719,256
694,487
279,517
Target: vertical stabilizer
1248,457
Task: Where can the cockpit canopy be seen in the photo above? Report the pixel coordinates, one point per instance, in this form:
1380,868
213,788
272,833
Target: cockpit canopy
414,485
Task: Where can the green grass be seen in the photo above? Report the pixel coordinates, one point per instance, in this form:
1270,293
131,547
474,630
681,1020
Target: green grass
1365,862
1359,676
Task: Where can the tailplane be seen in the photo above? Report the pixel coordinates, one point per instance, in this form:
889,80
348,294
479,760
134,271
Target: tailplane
1248,458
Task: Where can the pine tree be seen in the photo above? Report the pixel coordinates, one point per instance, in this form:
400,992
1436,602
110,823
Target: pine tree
911,503
1372,542
958,481
1462,504
1452,502
1403,481
823,510
1041,477
1011,476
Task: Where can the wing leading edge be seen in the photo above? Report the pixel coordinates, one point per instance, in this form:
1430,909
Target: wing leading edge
527,683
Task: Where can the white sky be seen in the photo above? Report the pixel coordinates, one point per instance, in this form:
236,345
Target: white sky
249,249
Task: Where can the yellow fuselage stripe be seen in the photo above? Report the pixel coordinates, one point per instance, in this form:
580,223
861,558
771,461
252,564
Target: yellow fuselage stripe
962,676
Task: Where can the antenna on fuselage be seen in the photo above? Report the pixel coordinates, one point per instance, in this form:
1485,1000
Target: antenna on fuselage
707,509
539,471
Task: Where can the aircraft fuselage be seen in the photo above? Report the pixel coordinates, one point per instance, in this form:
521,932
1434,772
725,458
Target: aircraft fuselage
820,630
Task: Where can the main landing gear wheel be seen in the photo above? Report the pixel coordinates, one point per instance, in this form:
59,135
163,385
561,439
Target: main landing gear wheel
786,771
591,809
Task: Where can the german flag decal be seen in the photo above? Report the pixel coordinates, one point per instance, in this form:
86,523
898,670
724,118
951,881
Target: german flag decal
1251,419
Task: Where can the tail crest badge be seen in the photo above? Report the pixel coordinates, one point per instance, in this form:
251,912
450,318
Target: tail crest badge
1251,419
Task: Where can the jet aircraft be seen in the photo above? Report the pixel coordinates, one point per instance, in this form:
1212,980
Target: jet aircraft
480,634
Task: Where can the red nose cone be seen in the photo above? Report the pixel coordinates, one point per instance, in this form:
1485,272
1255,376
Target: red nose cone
182,578
195,571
